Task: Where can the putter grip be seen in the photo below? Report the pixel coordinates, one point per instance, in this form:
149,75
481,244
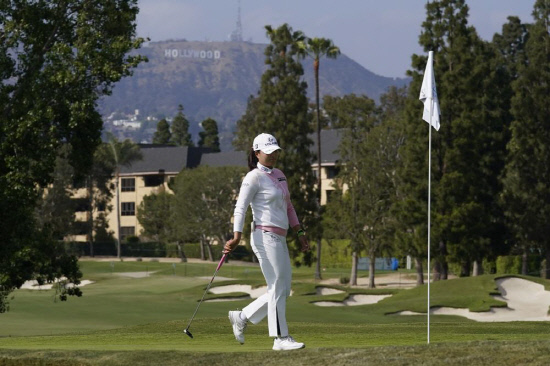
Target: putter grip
221,262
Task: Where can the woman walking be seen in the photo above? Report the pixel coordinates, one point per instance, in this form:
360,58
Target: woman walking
265,189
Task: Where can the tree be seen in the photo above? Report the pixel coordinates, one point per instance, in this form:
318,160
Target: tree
180,129
281,108
56,209
56,60
209,137
527,189
162,135
366,187
121,154
204,200
317,48
467,153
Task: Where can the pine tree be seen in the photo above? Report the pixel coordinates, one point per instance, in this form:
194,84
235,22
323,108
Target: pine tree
209,137
162,134
180,129
467,153
281,108
527,186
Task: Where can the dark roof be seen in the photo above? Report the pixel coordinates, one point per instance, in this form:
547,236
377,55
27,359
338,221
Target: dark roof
170,159
227,158
330,139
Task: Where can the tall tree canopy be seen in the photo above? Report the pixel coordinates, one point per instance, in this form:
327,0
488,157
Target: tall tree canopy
56,60
209,137
527,181
180,129
281,108
468,151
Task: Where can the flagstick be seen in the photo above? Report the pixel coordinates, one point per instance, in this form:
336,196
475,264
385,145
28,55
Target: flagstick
429,208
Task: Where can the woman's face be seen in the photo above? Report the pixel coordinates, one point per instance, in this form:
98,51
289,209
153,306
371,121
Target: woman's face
268,160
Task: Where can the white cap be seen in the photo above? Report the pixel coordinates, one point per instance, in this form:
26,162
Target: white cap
266,143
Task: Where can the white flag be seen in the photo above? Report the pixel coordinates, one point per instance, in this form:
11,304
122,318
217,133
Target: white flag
428,95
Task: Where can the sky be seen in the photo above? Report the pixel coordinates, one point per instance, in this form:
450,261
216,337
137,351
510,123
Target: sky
381,35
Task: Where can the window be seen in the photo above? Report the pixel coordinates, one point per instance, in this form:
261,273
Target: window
153,180
128,184
128,209
126,231
332,171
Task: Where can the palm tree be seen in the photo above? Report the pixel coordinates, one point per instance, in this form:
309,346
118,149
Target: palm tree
317,48
123,154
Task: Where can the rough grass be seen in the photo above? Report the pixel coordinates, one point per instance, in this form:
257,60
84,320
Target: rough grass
139,321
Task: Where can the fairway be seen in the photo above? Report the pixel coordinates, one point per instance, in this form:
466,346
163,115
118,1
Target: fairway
135,312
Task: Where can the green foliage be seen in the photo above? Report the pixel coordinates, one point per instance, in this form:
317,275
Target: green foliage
162,135
281,109
527,189
180,130
56,60
467,153
512,264
209,137
204,200
155,216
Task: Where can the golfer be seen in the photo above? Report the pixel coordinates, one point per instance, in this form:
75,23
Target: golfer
266,190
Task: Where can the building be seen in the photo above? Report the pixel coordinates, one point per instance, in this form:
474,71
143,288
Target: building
162,163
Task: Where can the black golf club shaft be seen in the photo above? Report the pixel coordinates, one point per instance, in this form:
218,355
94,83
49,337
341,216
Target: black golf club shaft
186,330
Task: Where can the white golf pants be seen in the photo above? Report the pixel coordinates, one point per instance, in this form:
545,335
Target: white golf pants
272,252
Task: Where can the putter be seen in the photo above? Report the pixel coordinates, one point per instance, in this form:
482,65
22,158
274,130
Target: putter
186,330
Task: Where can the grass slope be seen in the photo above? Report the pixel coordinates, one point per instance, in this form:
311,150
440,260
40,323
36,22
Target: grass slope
139,321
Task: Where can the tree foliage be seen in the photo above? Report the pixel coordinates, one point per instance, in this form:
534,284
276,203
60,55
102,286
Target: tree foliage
209,136
203,202
56,60
281,108
162,135
180,130
527,180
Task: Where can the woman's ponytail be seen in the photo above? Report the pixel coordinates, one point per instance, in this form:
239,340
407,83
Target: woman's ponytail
252,160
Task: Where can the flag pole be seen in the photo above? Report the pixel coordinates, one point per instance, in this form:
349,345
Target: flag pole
429,208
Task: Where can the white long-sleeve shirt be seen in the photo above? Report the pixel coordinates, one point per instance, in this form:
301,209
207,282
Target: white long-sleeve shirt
266,191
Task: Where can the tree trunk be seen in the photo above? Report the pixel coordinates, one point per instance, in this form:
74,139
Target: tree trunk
419,271
547,265
118,254
465,269
319,191
524,262
372,268
436,271
181,253
353,275
478,268
209,248
203,257
444,266
89,188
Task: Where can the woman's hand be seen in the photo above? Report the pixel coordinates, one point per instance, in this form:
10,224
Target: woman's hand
231,244
304,242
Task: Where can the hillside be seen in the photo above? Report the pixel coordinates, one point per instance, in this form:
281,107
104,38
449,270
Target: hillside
215,79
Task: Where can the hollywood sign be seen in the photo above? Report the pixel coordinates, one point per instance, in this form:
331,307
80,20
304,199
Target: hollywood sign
175,53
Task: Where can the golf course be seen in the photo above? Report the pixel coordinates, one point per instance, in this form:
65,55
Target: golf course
134,313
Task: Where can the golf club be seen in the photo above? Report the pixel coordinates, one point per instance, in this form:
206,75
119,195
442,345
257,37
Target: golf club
186,330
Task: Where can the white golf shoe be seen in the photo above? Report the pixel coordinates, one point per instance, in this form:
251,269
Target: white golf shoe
238,324
286,344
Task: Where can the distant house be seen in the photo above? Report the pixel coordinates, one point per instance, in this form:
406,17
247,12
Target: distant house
162,163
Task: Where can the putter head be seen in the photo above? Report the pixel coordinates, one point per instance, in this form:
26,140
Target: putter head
186,331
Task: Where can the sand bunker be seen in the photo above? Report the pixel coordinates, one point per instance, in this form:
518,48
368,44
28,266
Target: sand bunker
134,274
527,301
354,300
33,285
253,292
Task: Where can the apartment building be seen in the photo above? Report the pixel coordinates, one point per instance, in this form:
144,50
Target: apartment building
161,164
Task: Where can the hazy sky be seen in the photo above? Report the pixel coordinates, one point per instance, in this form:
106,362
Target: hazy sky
381,35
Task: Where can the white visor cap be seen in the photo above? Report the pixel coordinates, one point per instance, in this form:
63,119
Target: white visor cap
266,143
